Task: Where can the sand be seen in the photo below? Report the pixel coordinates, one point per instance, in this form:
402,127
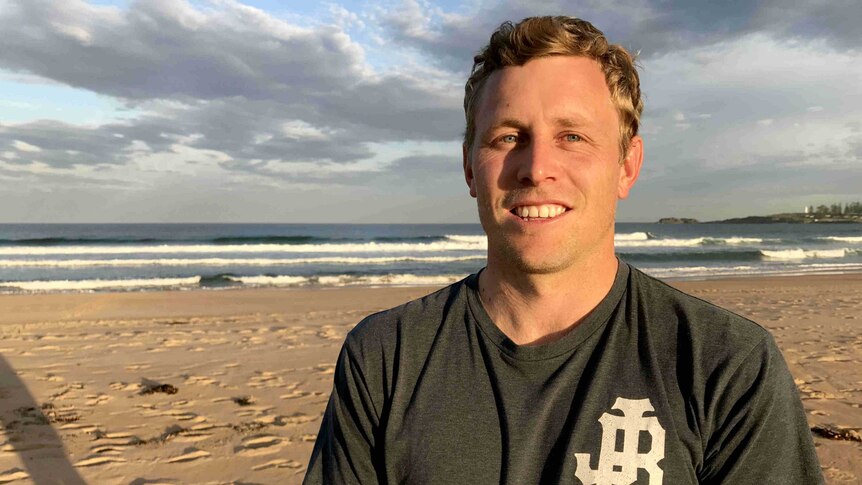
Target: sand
229,386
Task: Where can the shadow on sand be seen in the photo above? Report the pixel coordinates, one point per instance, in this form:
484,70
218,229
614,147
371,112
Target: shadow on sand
30,433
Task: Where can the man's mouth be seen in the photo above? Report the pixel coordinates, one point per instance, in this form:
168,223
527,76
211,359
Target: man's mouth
544,211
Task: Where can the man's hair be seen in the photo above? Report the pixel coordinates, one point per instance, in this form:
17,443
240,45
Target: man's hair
536,37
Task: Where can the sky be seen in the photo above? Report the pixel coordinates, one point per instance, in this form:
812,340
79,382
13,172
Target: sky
307,112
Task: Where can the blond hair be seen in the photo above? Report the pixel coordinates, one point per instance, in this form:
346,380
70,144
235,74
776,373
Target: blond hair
535,37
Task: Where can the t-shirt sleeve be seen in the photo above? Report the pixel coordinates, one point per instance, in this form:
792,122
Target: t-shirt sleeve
759,433
343,452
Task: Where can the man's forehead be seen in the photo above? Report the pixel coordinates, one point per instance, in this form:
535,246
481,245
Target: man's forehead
570,90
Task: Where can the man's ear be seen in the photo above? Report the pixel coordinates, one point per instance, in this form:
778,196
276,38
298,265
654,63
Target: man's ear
468,170
630,167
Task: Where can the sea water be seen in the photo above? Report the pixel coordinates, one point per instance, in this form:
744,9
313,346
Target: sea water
93,257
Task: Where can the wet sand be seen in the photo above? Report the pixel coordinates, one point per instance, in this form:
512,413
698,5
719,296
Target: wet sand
229,386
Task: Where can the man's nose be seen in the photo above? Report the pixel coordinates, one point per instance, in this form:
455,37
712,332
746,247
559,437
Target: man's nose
537,164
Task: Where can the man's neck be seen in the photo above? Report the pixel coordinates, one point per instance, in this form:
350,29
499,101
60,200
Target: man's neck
539,308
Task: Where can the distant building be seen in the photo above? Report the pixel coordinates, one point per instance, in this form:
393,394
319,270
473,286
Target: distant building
807,209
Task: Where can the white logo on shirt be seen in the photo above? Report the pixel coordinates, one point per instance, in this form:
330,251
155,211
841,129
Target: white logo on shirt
618,465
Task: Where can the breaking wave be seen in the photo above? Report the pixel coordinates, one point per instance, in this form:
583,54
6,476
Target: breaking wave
229,280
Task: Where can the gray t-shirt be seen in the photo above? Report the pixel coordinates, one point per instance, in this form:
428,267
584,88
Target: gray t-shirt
653,386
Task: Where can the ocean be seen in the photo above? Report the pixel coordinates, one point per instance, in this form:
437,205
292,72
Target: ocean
132,257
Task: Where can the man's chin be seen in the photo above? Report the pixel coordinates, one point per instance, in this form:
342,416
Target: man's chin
535,264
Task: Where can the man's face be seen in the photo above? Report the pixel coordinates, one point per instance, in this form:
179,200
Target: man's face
545,164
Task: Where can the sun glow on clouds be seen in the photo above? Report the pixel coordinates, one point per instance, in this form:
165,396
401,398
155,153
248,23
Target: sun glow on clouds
25,147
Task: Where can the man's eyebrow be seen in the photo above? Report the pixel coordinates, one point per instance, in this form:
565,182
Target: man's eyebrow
503,123
507,123
565,122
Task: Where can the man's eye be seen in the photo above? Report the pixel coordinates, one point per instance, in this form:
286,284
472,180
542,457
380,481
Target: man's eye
509,139
572,137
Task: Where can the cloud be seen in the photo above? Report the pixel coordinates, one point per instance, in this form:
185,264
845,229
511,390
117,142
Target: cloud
651,27
226,77
25,147
231,102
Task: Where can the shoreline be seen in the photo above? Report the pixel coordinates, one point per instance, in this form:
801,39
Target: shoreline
36,307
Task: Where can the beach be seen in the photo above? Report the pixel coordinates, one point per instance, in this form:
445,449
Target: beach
228,386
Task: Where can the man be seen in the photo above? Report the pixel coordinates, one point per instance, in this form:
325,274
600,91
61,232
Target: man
558,363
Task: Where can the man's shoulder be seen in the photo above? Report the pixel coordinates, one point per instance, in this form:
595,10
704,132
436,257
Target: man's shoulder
423,314
693,317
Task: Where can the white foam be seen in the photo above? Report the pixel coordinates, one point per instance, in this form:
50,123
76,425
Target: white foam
799,253
660,243
633,236
476,240
784,254
350,280
260,280
84,285
849,239
282,280
827,253
690,271
389,280
474,243
737,240
725,271
85,263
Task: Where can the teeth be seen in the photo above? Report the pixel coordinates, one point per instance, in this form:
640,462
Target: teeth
539,211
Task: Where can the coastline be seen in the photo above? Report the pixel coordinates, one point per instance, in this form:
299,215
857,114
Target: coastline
252,370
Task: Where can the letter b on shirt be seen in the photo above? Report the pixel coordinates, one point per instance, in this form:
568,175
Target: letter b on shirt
618,465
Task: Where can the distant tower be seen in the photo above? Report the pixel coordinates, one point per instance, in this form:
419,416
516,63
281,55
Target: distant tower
807,209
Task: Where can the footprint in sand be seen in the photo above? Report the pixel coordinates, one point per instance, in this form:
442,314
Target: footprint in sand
106,450
190,454
299,418
13,474
99,460
86,428
294,394
10,448
278,464
52,378
839,475
203,380
259,445
330,333
97,399
265,379
125,386
60,414
253,411
178,414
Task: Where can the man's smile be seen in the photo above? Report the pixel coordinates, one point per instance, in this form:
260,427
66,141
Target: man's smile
530,212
